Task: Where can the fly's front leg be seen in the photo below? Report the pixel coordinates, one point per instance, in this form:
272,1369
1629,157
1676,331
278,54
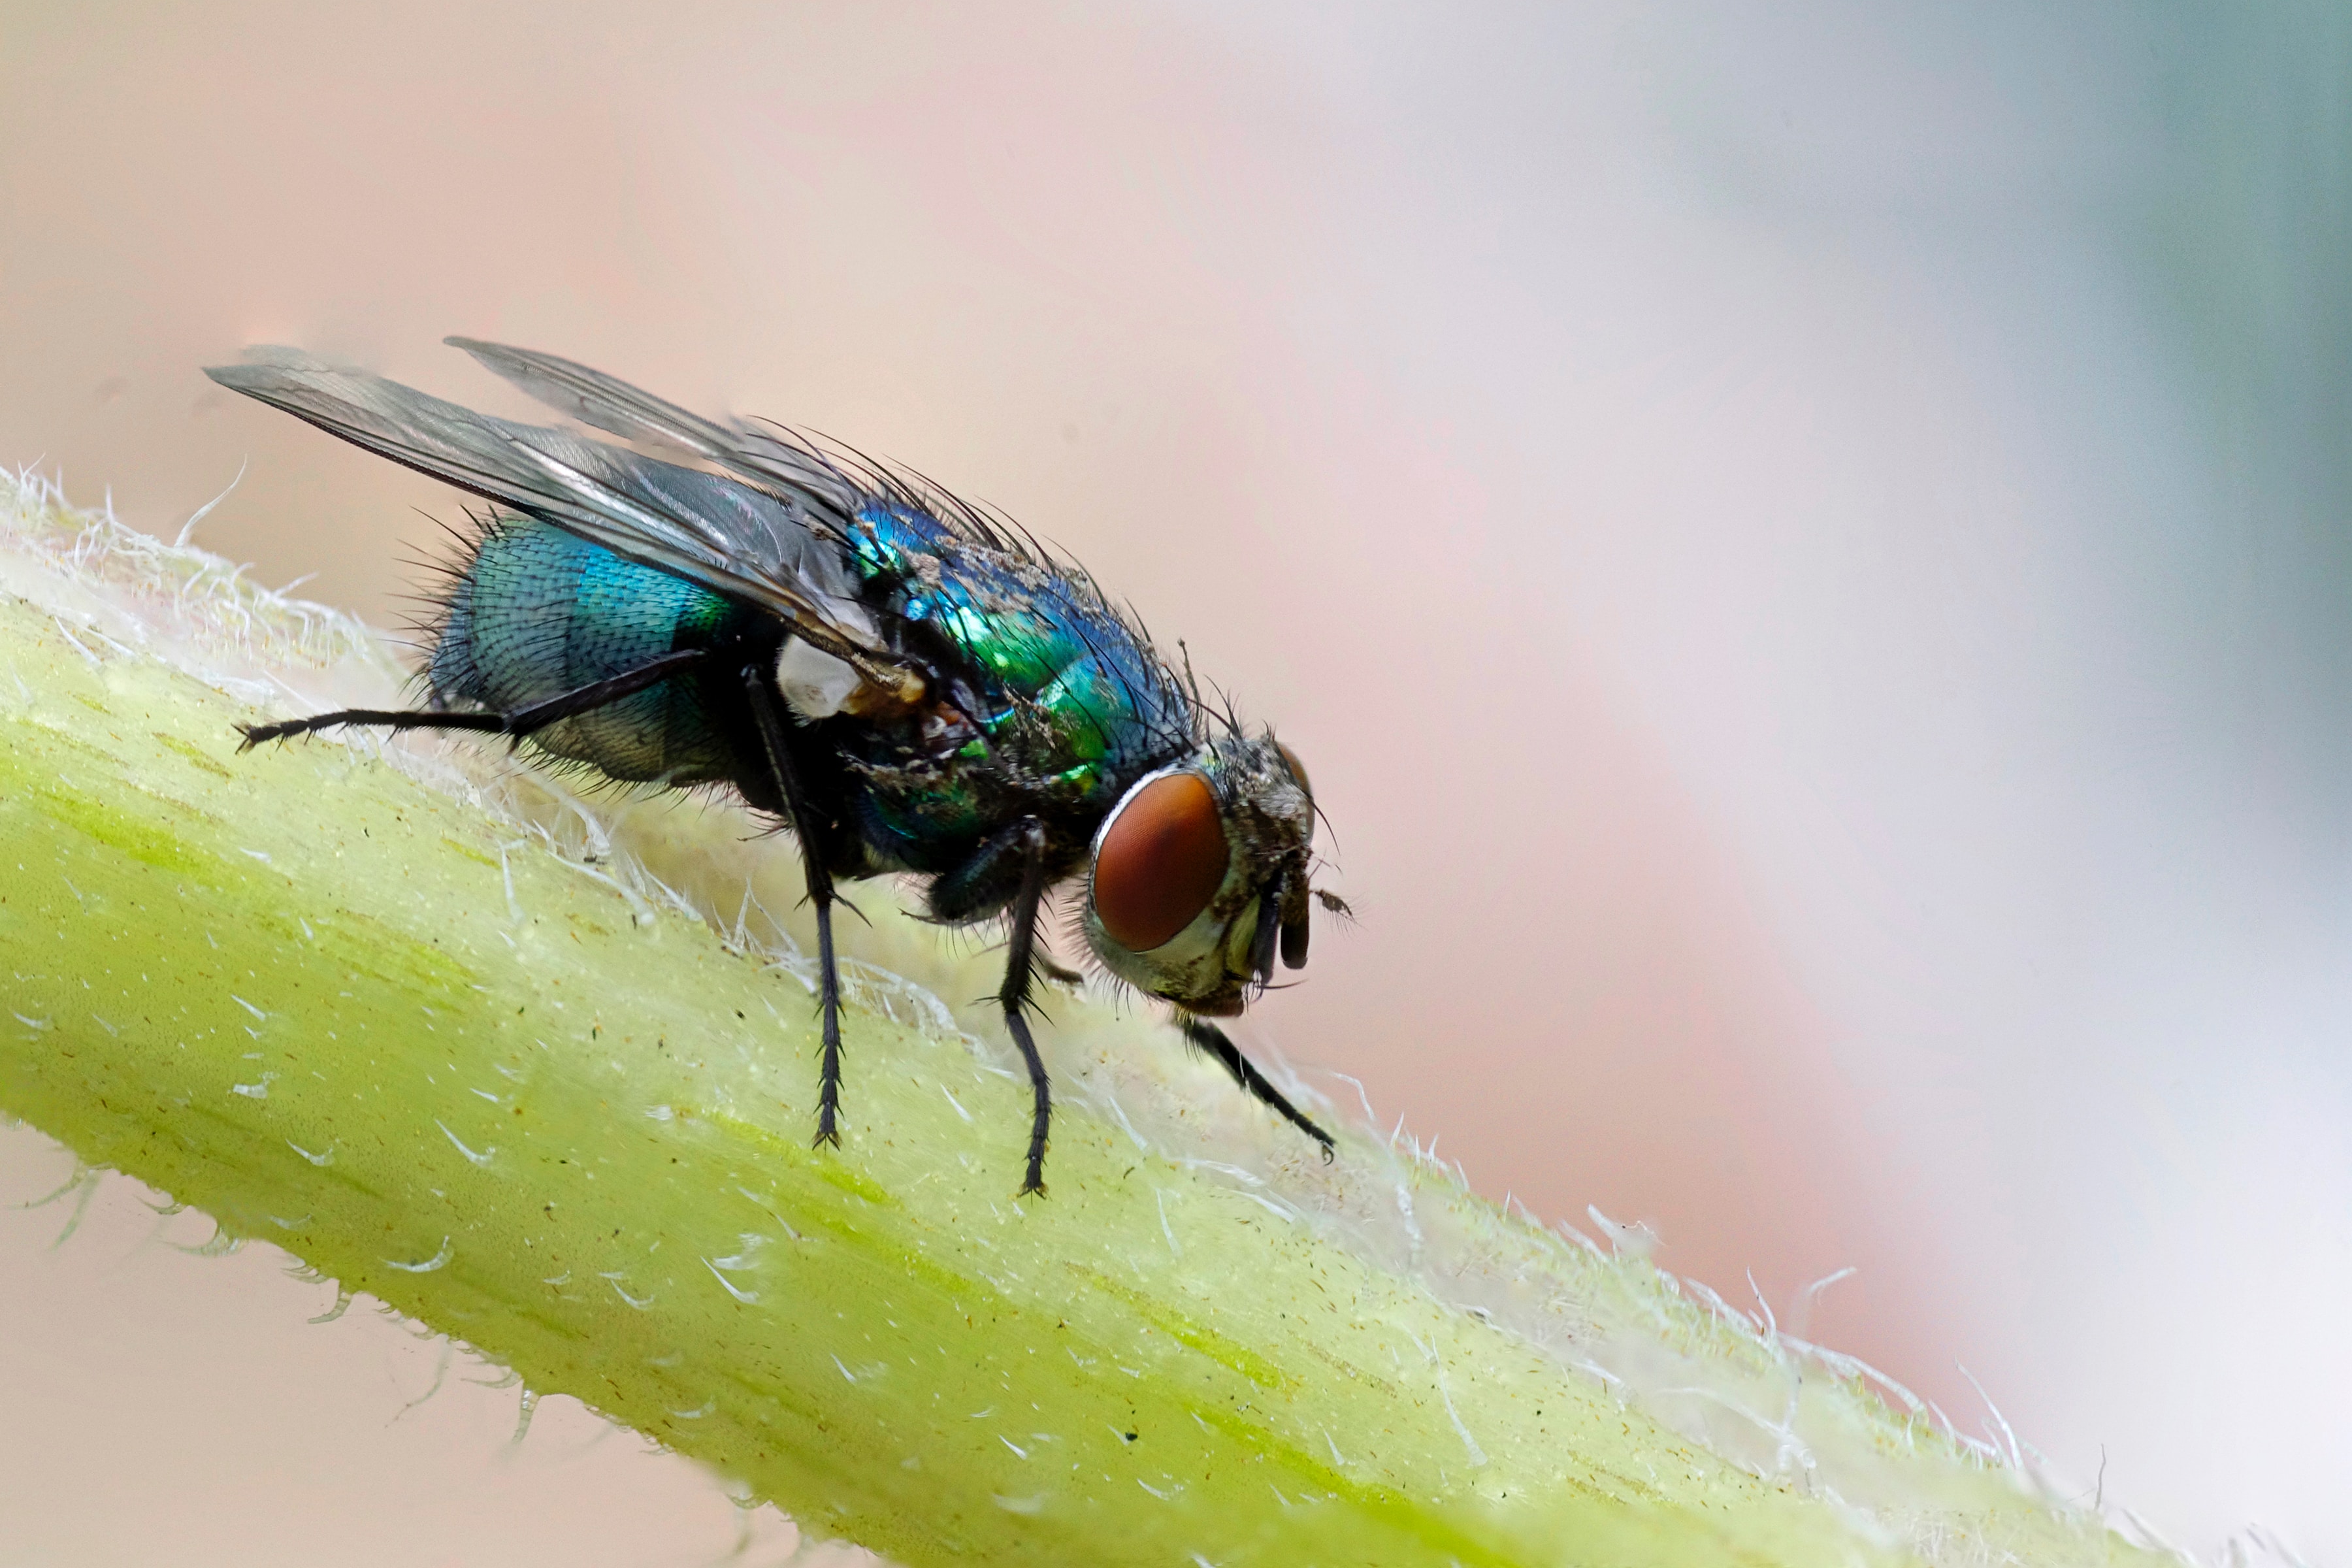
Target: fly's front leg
1207,1037
1014,996
773,740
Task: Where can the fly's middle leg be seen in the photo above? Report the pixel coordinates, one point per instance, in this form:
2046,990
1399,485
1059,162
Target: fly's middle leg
774,742
1013,995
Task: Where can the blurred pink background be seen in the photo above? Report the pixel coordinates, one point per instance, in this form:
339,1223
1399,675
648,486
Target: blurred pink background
1804,546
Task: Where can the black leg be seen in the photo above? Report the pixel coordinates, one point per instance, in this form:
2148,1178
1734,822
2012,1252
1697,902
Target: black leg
806,828
1014,996
518,723
1214,1040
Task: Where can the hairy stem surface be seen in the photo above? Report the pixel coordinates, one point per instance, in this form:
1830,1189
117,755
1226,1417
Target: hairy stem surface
493,1075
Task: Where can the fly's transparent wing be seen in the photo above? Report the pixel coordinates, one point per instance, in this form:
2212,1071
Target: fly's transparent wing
607,403
778,551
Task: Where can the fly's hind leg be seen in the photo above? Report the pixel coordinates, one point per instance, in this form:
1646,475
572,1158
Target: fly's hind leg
1208,1038
522,721
821,895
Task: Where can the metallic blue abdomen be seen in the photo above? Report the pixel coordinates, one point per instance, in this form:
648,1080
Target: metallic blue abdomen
537,612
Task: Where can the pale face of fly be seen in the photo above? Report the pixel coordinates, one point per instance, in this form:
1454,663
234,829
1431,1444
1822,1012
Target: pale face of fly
1199,875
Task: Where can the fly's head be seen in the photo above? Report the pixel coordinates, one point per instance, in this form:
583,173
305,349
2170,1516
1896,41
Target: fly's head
1199,875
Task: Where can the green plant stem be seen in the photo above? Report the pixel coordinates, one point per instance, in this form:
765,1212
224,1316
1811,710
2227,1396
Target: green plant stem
395,1035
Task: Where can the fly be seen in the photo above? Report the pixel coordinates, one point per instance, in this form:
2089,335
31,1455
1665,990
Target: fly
913,687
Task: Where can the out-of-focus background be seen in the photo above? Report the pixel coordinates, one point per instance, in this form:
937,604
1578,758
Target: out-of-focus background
1806,546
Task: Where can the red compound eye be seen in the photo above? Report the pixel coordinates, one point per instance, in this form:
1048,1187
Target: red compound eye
1162,861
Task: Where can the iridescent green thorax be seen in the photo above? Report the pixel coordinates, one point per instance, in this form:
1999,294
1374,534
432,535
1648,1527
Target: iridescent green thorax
1066,703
